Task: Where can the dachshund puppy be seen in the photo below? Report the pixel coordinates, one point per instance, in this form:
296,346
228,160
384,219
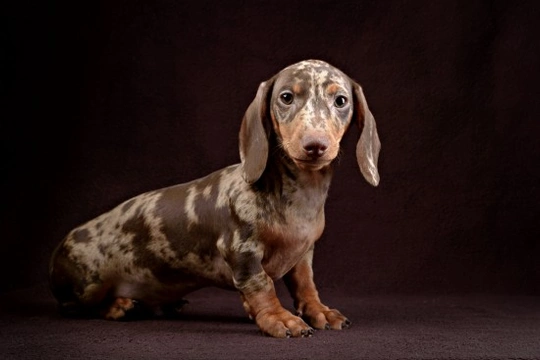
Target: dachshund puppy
240,228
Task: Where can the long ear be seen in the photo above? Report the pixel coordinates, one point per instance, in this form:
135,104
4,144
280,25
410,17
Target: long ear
253,137
369,145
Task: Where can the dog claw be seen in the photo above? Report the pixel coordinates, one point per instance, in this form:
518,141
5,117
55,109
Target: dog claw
327,326
346,324
288,334
307,333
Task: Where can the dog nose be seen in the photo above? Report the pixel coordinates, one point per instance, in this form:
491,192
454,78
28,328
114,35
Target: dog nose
315,147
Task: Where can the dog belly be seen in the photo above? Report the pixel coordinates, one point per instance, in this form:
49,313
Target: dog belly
170,285
89,281
88,272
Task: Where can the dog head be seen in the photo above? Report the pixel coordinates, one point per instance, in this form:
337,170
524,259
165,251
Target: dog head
309,106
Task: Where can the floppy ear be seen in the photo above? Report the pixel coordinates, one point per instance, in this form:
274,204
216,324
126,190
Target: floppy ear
369,145
253,137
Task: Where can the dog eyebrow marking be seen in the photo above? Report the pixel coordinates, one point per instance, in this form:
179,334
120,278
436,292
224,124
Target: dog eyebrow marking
297,87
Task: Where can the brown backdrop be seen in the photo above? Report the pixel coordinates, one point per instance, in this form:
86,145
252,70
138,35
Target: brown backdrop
107,100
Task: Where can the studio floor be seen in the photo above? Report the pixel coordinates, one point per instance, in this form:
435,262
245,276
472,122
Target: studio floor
214,326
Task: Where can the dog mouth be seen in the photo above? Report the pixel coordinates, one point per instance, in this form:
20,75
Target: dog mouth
311,164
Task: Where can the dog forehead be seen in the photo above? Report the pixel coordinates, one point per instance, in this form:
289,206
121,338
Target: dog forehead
313,72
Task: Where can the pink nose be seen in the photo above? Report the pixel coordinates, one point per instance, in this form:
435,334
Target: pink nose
315,146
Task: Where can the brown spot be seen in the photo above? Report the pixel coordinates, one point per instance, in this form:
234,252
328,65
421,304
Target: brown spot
102,249
81,236
297,89
332,89
124,248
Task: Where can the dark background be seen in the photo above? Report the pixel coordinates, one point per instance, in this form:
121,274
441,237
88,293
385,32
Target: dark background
105,100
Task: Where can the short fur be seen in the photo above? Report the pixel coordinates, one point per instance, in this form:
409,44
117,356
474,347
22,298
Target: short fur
242,227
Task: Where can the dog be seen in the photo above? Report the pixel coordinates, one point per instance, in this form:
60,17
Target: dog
239,228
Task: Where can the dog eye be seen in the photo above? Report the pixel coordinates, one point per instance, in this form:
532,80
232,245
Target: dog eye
340,101
286,98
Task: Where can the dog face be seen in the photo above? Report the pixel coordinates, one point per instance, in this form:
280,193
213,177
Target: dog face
310,106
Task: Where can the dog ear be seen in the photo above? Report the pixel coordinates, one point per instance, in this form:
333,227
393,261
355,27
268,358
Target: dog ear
369,145
253,136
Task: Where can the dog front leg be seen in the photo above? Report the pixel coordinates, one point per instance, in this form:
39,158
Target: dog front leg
260,299
299,281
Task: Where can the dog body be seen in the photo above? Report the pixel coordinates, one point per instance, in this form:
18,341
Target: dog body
240,228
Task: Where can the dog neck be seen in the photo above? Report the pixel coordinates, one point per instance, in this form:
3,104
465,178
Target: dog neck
282,177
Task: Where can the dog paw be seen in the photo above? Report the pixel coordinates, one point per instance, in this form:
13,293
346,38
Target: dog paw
283,324
119,308
323,318
125,309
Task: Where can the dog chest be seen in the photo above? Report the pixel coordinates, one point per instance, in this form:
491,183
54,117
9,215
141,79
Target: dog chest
286,244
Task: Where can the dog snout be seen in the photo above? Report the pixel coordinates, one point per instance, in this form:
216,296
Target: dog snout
315,146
